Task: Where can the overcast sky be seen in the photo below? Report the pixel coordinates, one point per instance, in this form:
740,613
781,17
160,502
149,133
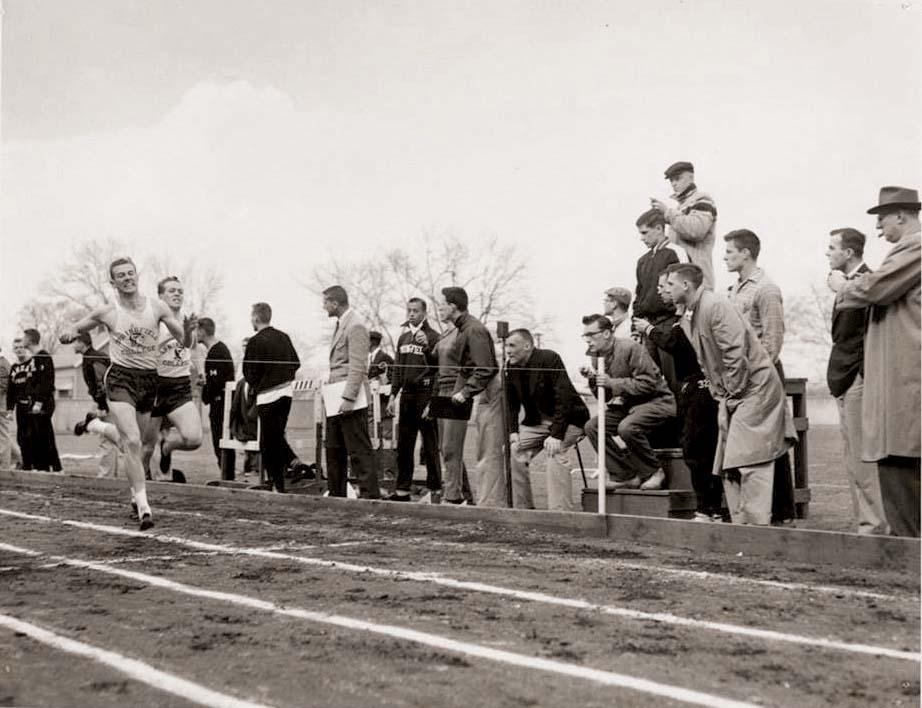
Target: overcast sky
267,135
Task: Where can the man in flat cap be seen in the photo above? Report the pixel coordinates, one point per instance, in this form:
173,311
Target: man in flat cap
890,405
692,221
615,304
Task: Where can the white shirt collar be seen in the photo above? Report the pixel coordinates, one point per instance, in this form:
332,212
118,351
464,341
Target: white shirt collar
854,271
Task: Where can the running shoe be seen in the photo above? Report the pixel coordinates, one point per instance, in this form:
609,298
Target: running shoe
397,497
80,428
179,477
147,521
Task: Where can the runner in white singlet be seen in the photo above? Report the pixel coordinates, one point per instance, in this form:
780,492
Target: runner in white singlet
133,322
174,392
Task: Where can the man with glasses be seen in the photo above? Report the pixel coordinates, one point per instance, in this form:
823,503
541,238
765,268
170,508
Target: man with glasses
638,401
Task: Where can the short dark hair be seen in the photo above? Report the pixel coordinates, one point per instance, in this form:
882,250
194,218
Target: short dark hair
524,334
689,272
337,293
744,238
263,312
31,336
161,285
206,324
419,300
122,260
851,238
651,217
456,296
601,320
374,337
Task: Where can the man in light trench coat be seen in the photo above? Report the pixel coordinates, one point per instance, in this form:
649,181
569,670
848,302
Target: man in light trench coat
750,397
890,406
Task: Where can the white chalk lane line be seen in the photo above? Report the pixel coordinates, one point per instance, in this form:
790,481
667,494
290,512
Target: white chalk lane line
477,651
133,668
696,574
705,575
530,596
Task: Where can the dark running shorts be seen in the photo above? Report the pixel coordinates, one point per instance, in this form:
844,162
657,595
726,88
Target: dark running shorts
135,386
171,394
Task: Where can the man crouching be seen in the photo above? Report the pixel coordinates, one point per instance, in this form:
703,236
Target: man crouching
638,400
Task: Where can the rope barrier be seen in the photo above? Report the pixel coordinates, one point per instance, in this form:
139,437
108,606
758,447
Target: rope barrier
495,369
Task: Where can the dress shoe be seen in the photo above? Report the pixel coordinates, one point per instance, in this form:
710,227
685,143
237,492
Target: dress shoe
397,497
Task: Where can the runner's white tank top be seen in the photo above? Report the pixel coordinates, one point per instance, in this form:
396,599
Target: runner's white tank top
133,342
173,359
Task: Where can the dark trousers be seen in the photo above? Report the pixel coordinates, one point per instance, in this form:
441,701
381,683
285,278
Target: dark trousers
665,362
35,435
216,418
698,412
633,427
273,418
783,486
899,491
347,443
410,425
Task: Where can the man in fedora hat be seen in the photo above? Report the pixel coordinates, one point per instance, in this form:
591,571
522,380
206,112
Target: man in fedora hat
890,406
693,221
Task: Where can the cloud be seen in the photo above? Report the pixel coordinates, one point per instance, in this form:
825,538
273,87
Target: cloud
248,177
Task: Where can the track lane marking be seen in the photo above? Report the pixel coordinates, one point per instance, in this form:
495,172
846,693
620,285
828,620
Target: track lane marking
538,597
137,670
526,661
699,574
681,572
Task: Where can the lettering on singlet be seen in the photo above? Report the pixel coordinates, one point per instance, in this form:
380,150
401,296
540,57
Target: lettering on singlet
173,359
133,341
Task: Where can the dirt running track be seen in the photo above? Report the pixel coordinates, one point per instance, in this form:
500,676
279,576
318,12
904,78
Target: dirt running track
242,606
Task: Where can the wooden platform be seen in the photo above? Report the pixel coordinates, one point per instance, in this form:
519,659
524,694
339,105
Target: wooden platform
676,501
664,503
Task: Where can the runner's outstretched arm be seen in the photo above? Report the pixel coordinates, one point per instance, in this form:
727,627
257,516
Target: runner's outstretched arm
94,319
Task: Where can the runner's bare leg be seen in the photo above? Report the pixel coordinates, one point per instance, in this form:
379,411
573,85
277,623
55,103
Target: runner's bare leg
187,431
130,423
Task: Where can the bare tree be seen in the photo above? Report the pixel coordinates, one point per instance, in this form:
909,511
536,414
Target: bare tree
83,278
202,286
51,317
808,316
82,283
494,274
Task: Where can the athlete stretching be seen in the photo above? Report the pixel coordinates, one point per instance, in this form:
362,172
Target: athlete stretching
174,389
133,322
